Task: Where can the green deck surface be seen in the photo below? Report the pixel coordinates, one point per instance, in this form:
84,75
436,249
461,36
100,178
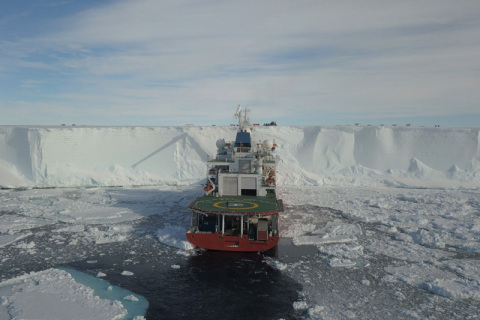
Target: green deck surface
235,204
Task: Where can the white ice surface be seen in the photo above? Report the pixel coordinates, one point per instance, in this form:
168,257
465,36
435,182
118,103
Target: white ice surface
11,177
455,288
427,217
346,155
415,227
54,294
174,236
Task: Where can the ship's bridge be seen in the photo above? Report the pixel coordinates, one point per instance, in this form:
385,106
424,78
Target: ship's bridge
243,142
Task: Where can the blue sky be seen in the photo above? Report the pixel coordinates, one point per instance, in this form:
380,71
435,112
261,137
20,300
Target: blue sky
154,62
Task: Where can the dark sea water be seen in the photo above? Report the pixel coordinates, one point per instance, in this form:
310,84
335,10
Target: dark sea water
204,285
178,284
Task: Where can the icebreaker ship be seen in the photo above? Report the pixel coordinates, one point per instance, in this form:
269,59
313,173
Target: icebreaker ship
239,209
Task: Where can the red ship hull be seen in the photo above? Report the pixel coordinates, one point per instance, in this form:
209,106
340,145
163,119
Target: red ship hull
215,241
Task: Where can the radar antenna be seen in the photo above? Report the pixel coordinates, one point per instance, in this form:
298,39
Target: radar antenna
239,110
243,121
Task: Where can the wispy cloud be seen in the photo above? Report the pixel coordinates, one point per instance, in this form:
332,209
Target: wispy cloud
301,61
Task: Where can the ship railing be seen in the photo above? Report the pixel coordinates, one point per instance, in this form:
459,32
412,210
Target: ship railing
243,149
244,172
268,185
269,159
217,159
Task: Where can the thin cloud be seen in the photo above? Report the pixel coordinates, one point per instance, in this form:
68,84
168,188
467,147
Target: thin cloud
376,58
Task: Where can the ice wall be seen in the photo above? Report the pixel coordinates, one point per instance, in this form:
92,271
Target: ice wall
118,156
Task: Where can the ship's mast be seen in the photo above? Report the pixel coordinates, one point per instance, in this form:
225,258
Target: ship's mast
243,121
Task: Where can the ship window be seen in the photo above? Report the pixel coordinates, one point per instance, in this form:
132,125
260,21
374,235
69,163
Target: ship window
249,192
223,168
243,140
244,166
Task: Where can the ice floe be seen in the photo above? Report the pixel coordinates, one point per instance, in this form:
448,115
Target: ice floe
174,236
54,294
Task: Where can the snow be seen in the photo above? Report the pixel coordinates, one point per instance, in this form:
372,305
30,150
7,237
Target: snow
333,232
300,305
174,236
131,298
394,208
129,156
421,232
459,289
54,294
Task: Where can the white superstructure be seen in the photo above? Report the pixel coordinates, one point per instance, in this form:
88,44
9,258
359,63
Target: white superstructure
242,167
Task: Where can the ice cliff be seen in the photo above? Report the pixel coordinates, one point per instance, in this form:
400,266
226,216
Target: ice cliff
125,156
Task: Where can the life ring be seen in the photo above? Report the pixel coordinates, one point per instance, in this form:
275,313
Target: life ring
208,187
270,180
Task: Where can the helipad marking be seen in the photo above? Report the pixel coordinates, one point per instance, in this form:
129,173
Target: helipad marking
233,204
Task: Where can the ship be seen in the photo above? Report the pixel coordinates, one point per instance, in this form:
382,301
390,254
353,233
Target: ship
239,209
